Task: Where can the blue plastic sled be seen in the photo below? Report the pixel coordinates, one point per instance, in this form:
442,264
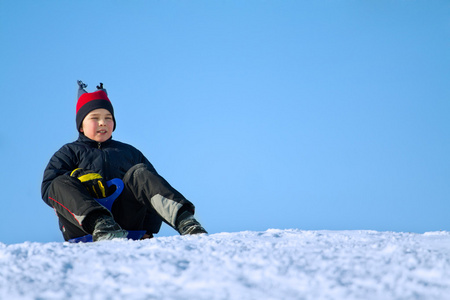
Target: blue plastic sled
108,203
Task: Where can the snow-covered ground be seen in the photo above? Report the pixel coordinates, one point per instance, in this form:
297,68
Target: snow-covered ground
275,264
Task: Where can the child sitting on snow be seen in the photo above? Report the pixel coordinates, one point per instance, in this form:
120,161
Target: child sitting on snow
77,174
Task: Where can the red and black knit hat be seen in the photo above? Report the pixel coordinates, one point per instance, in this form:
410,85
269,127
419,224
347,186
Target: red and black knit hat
87,102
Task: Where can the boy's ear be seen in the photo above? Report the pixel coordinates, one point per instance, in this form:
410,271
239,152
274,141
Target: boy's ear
81,129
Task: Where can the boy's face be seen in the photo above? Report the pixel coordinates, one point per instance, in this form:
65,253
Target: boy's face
98,125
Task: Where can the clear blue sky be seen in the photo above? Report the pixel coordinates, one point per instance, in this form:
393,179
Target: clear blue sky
265,114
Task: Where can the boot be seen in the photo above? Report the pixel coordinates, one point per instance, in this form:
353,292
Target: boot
107,229
187,224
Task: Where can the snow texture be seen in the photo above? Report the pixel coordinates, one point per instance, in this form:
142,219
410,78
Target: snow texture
275,264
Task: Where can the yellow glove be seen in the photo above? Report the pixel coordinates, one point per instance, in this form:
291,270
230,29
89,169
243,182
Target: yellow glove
94,182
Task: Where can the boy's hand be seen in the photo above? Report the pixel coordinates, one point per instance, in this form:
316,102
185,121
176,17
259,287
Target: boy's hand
94,182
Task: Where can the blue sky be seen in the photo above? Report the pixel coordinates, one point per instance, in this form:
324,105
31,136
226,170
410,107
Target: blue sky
265,114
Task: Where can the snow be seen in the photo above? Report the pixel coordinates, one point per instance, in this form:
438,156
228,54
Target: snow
274,264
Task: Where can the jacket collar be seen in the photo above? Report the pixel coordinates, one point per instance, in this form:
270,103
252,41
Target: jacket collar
84,139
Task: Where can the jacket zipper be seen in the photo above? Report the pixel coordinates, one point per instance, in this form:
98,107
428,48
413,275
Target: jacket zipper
105,160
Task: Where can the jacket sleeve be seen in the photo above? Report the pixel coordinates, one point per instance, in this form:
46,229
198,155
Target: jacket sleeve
61,163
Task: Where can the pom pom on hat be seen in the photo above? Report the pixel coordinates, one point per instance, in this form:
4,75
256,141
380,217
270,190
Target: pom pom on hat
88,102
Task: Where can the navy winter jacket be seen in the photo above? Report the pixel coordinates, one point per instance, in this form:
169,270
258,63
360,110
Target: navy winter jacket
111,159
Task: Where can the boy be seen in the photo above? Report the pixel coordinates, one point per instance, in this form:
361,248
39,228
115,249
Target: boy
77,174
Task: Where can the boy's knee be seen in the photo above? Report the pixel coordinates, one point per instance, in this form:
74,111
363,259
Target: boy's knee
61,182
135,170
138,168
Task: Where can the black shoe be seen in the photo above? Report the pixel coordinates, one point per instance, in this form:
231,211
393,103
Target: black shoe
107,229
189,225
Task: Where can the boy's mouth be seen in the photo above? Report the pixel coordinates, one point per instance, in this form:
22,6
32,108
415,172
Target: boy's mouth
102,131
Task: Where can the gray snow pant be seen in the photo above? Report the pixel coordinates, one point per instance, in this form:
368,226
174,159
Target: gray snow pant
146,200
